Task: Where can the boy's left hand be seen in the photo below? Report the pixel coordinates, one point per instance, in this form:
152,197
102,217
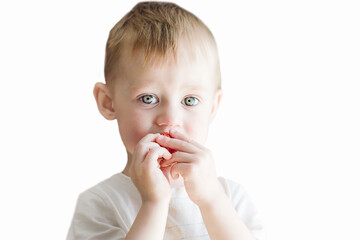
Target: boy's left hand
195,164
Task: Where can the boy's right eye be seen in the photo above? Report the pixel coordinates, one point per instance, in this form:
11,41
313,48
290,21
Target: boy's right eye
149,99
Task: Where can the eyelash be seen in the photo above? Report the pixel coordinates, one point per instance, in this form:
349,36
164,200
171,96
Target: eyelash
142,99
196,100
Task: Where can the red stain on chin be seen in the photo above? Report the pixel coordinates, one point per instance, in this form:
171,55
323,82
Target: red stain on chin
169,149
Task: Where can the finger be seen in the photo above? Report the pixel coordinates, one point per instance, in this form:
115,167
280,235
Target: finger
175,144
178,157
149,137
166,172
183,169
182,136
151,159
143,148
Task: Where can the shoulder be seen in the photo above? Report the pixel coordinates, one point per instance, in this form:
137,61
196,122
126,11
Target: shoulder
244,206
237,194
112,202
113,189
114,183
232,188
101,210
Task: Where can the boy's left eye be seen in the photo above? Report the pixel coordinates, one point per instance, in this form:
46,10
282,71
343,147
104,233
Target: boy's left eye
191,101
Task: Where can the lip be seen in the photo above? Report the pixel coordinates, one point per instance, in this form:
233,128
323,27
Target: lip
166,134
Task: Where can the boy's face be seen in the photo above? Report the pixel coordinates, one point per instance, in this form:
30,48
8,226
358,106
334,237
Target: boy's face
170,95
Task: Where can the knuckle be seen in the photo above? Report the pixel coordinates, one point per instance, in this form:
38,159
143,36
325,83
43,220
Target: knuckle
197,160
153,151
183,144
191,169
207,153
141,145
147,145
201,155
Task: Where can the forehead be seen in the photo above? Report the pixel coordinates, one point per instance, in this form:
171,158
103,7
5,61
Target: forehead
188,65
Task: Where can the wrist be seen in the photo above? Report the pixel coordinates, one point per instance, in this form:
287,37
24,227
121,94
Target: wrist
156,204
217,200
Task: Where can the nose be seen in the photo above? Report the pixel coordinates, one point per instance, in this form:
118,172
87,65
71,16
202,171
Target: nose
168,116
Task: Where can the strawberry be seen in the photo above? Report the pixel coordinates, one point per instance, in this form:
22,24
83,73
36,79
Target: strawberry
166,134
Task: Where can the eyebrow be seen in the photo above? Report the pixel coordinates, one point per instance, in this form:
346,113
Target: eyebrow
191,87
149,83
133,89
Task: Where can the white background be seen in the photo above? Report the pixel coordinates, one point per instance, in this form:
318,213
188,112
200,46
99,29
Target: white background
287,130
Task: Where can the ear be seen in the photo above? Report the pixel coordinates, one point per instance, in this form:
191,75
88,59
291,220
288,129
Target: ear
217,99
104,101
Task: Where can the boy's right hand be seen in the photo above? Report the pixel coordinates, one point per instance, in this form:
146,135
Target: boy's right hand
145,171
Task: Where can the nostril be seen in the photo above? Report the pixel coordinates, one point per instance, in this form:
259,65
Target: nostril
168,123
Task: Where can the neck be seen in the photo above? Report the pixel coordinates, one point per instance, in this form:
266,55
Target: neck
127,167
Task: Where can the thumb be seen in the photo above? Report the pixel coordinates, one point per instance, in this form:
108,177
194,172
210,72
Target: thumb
179,169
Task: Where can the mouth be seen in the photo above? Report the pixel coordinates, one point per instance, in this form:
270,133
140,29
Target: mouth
166,134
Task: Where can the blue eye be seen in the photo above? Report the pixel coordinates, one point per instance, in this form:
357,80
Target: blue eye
149,99
191,101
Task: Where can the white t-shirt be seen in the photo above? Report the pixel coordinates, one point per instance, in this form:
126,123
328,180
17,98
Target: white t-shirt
107,211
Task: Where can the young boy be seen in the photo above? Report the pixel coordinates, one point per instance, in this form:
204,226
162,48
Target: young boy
163,87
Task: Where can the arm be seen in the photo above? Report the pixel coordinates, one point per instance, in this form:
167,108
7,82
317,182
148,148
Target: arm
222,221
150,222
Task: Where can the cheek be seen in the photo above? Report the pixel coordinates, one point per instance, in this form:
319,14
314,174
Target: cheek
198,127
132,129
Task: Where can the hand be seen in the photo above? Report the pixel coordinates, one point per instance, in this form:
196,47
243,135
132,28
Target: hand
145,171
195,164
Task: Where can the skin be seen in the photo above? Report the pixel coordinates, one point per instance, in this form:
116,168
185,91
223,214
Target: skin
180,98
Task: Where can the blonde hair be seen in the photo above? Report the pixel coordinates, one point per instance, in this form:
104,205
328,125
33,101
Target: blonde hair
157,28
